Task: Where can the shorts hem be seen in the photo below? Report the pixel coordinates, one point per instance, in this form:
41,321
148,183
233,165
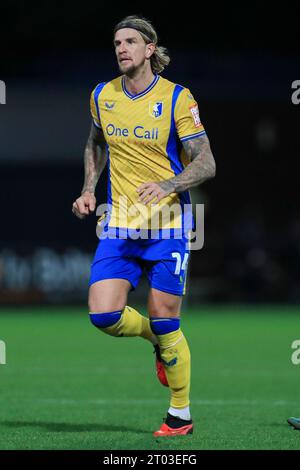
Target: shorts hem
168,291
133,287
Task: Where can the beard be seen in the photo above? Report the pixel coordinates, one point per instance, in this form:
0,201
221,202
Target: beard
132,69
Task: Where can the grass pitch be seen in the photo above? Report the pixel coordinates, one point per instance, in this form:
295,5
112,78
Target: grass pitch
68,386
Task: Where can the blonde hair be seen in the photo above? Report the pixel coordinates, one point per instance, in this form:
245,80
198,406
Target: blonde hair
160,57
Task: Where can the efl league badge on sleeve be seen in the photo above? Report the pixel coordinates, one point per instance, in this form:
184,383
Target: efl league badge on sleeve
195,113
156,109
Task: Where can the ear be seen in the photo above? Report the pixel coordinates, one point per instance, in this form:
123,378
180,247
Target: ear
150,48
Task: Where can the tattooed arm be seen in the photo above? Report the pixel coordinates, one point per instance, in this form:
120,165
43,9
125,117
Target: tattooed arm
94,159
94,163
201,168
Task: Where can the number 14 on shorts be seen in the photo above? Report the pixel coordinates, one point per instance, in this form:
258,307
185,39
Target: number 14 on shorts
181,264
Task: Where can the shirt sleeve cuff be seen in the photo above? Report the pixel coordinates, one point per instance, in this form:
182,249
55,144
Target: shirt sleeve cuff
96,124
192,136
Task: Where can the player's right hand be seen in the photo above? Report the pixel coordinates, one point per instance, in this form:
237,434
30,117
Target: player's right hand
84,205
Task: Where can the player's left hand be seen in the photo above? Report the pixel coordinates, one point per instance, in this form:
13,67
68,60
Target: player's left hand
149,191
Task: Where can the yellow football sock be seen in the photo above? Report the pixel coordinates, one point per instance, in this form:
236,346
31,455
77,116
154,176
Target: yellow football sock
132,323
176,357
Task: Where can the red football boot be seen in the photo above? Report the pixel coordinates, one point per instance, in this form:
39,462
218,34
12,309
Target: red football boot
160,370
174,427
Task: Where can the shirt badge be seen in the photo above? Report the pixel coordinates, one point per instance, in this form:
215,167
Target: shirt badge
195,113
109,106
156,109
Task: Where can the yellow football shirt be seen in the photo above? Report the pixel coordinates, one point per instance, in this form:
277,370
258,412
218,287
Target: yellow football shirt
144,135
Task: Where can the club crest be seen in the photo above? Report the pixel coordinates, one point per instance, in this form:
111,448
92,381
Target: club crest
156,109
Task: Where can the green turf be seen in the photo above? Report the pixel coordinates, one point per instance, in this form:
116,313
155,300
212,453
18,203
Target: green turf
68,386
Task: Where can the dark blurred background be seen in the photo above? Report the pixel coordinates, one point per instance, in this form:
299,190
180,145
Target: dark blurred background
238,60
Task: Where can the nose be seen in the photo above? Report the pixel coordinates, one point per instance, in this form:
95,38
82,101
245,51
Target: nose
122,47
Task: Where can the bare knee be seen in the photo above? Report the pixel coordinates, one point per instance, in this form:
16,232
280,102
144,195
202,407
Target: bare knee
109,295
163,304
105,304
163,311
